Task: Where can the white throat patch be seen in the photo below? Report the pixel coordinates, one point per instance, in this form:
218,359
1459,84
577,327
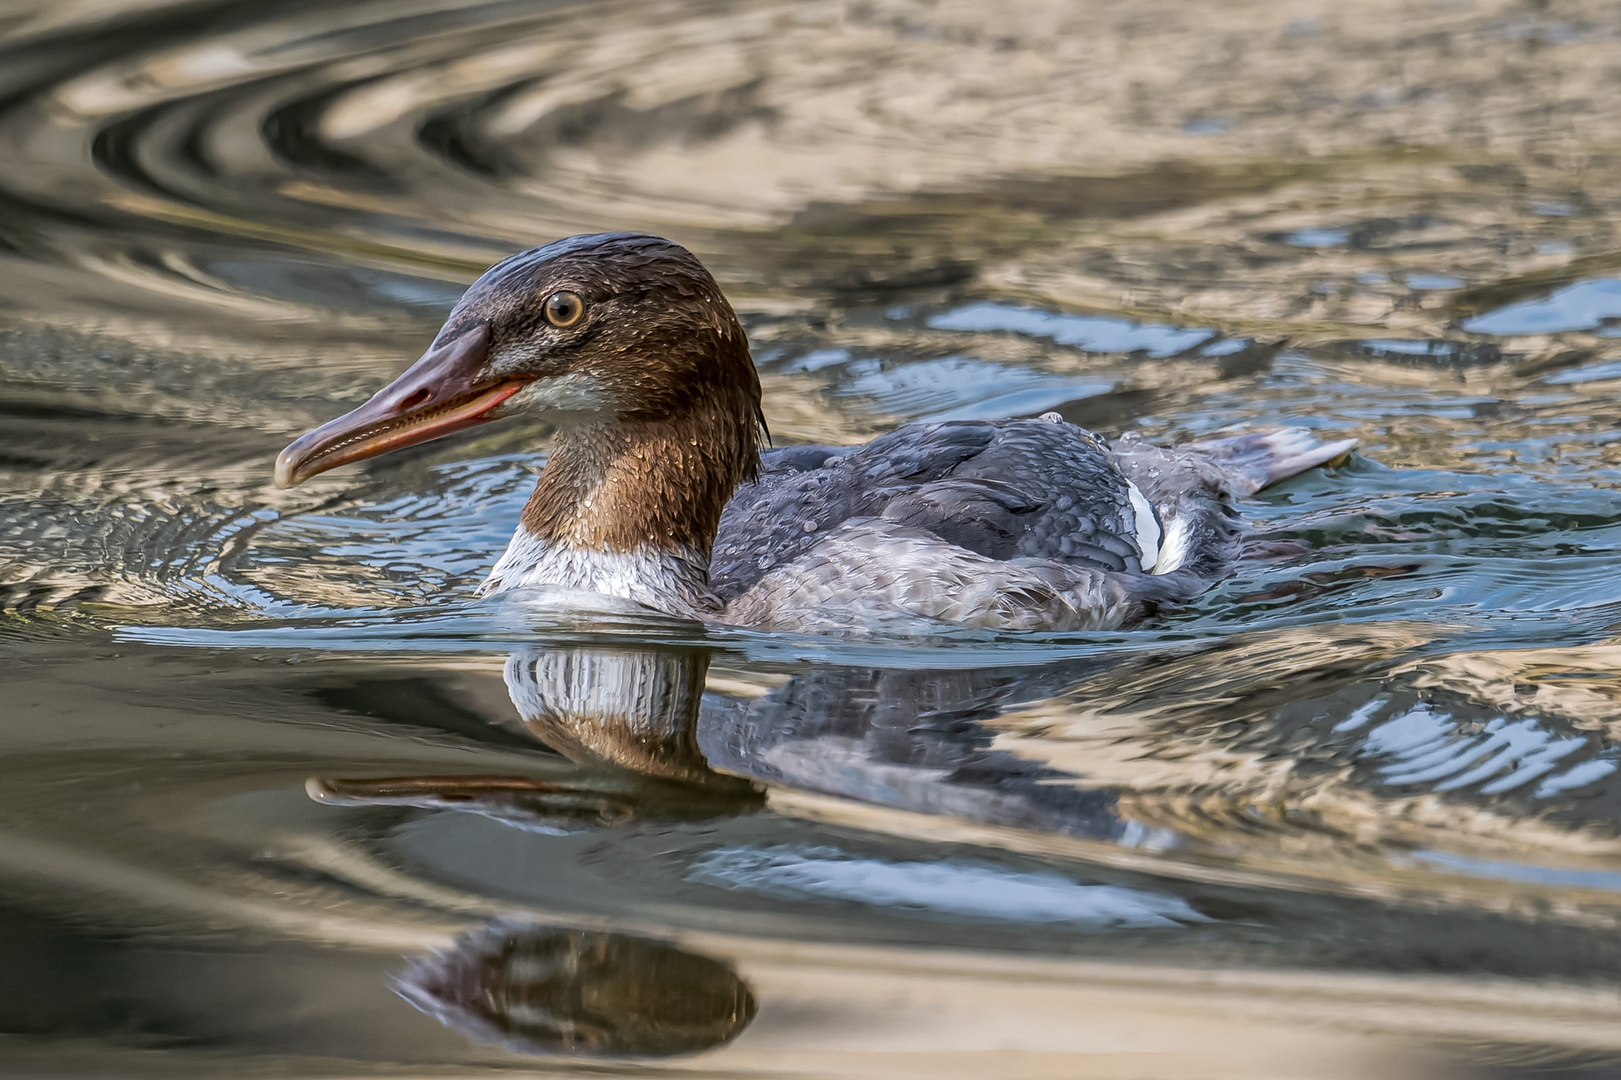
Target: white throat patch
675,582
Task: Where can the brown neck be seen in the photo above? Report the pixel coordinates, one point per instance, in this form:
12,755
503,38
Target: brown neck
638,483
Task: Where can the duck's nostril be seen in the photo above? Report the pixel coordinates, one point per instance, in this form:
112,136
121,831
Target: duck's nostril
416,398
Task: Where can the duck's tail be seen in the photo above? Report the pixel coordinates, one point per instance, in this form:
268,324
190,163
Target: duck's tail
1260,459
1191,487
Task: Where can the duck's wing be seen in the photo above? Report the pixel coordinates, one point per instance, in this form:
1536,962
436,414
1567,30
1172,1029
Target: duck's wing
779,461
796,501
1004,490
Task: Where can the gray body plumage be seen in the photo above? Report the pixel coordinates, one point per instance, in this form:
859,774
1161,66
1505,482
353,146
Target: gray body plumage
1013,524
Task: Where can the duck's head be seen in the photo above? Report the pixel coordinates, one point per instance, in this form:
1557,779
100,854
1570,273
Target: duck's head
610,331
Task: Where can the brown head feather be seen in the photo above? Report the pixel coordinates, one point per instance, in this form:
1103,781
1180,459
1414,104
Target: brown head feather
678,425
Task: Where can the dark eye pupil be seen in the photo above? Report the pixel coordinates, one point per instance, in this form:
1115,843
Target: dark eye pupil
562,308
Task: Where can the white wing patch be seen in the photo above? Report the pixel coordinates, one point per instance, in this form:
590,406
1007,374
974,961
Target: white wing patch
1174,551
1147,529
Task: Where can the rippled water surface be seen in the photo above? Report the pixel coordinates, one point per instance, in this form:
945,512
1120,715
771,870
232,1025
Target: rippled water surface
281,799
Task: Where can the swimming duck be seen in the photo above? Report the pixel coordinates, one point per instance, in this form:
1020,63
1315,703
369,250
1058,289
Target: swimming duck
657,490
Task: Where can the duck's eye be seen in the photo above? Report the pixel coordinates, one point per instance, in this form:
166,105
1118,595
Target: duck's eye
564,309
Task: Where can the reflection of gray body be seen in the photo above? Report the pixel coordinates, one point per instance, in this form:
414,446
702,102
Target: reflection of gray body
913,740
909,739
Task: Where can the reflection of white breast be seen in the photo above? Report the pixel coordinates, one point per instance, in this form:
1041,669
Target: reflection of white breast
642,690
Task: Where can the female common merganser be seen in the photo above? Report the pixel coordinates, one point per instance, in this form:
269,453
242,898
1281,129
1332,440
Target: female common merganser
657,492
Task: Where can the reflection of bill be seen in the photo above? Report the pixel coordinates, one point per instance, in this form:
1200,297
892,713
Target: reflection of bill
519,800
627,717
554,990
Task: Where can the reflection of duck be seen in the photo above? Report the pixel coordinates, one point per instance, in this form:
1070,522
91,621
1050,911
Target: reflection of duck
626,341
653,746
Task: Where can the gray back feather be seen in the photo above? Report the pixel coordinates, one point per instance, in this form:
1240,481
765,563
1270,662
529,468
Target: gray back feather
1005,490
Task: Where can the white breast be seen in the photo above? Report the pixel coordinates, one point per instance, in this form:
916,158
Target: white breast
676,581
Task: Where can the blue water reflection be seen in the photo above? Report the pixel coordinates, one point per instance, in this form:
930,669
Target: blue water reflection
1094,333
1584,305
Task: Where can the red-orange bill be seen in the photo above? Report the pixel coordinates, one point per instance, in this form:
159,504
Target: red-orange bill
437,395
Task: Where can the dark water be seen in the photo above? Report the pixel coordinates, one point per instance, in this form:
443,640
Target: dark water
281,800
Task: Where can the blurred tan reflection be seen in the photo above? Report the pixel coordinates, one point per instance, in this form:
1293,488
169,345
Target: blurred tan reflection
551,990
